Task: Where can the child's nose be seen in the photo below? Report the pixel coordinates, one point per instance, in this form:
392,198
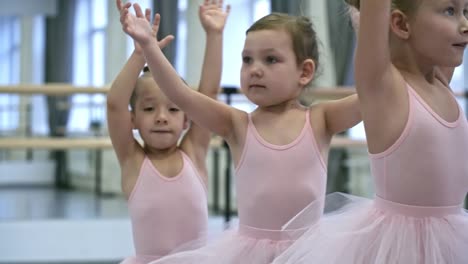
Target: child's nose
464,26
256,70
161,118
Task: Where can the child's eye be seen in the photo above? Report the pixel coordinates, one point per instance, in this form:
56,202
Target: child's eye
450,11
271,59
148,109
465,13
174,109
246,60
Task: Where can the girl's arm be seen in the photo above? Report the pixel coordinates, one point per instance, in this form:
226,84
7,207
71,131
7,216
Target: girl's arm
373,62
203,110
341,114
119,119
213,20
379,84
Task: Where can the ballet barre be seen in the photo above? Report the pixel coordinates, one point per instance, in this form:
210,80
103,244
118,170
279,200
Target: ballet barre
68,89
52,89
61,143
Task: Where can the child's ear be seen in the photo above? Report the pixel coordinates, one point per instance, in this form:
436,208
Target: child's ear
132,115
186,122
308,72
399,24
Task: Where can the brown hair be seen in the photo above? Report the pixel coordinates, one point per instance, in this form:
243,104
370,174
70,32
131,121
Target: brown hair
301,30
406,6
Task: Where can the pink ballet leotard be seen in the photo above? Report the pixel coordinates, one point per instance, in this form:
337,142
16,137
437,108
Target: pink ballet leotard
273,184
416,217
167,214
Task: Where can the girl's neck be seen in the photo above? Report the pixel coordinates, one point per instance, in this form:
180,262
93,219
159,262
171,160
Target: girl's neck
407,61
160,154
280,108
418,74
409,64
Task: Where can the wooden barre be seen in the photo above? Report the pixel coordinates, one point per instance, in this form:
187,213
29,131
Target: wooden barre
68,89
105,143
55,143
53,89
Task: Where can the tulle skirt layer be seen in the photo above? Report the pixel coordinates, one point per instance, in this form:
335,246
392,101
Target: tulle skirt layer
362,231
190,245
245,245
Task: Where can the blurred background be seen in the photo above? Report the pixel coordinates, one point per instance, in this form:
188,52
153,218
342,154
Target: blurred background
60,197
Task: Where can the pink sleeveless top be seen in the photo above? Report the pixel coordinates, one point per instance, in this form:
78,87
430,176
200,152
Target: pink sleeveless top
274,183
427,166
166,213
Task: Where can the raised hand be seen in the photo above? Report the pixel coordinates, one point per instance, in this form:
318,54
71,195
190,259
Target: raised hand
155,27
127,5
136,26
124,9
212,16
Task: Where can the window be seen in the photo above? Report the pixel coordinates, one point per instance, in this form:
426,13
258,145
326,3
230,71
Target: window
10,34
89,64
181,40
88,111
38,112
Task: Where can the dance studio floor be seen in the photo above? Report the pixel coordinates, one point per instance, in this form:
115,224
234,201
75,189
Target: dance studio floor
44,225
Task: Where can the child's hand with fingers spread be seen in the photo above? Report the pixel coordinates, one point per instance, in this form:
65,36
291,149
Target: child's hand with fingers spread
212,15
127,5
167,39
124,18
136,26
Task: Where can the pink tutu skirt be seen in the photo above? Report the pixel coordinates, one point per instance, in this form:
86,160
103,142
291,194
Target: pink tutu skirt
145,258
245,245
363,231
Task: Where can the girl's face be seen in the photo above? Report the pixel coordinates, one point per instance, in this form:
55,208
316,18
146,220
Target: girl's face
159,121
439,31
269,73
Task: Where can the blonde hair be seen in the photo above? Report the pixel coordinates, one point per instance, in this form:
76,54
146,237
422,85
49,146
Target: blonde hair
146,73
133,98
